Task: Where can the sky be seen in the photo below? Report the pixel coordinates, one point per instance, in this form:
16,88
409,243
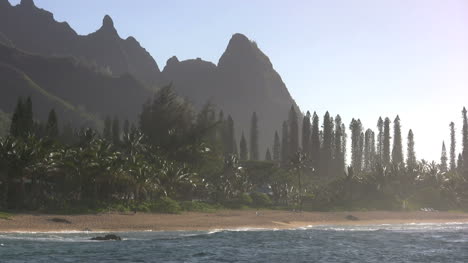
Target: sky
360,59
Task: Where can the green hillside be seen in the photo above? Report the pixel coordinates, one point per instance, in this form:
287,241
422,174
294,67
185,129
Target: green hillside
16,83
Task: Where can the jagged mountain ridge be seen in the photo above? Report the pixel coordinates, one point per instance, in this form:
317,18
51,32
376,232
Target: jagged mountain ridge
35,30
242,82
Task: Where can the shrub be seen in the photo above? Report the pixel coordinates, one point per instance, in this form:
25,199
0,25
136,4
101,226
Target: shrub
245,199
429,197
260,199
143,207
166,205
5,216
197,206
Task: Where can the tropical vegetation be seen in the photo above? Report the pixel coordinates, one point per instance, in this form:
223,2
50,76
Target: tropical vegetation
178,158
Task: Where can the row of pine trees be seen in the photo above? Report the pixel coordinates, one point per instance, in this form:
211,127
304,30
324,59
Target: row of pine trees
325,145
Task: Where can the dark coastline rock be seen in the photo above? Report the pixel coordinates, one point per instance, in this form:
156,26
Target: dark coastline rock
352,218
107,238
60,220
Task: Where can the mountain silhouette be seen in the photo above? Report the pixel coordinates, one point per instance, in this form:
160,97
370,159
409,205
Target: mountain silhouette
244,80
35,30
77,92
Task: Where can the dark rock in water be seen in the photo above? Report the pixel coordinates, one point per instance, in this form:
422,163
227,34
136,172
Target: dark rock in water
60,220
352,218
107,238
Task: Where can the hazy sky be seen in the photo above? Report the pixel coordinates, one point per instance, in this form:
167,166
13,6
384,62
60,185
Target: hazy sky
357,58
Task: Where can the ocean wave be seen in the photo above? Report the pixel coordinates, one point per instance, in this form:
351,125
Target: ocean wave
52,238
406,227
241,229
58,232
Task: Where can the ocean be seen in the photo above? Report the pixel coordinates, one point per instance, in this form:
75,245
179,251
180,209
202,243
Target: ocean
372,243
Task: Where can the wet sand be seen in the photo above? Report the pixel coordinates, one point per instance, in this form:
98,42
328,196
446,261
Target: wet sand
226,219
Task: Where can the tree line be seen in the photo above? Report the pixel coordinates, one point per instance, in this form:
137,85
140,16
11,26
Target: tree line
175,152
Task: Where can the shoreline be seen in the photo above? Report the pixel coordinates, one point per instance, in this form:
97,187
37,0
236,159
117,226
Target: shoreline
219,221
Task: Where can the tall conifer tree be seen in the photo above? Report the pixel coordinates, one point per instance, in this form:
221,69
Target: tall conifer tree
465,143
293,132
380,140
369,150
338,145
52,125
356,148
229,139
276,148
361,150
460,164
221,131
397,151
243,152
254,138
16,119
411,155
326,153
268,155
443,159
285,144
28,125
107,131
386,143
306,134
344,143
315,142
453,164
22,123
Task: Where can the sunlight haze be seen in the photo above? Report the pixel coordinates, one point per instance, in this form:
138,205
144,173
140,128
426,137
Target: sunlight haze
360,59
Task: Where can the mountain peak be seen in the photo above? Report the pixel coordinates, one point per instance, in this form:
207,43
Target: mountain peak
239,41
172,61
27,3
108,26
243,51
239,37
107,22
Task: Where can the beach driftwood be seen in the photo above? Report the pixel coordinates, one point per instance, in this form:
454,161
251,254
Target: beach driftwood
107,238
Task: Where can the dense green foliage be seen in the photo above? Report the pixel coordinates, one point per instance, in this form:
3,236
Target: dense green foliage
5,121
176,156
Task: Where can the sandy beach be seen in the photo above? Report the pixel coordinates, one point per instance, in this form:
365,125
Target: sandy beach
226,219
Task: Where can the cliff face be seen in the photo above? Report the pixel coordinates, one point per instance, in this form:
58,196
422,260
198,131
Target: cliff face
78,93
35,30
243,82
194,79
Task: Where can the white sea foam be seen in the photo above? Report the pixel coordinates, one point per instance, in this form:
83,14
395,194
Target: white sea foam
407,227
46,238
57,232
241,229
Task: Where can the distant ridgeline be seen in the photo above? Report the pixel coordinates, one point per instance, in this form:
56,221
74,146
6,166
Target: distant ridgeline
243,82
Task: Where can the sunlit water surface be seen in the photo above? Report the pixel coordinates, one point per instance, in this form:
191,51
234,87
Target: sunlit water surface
373,243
